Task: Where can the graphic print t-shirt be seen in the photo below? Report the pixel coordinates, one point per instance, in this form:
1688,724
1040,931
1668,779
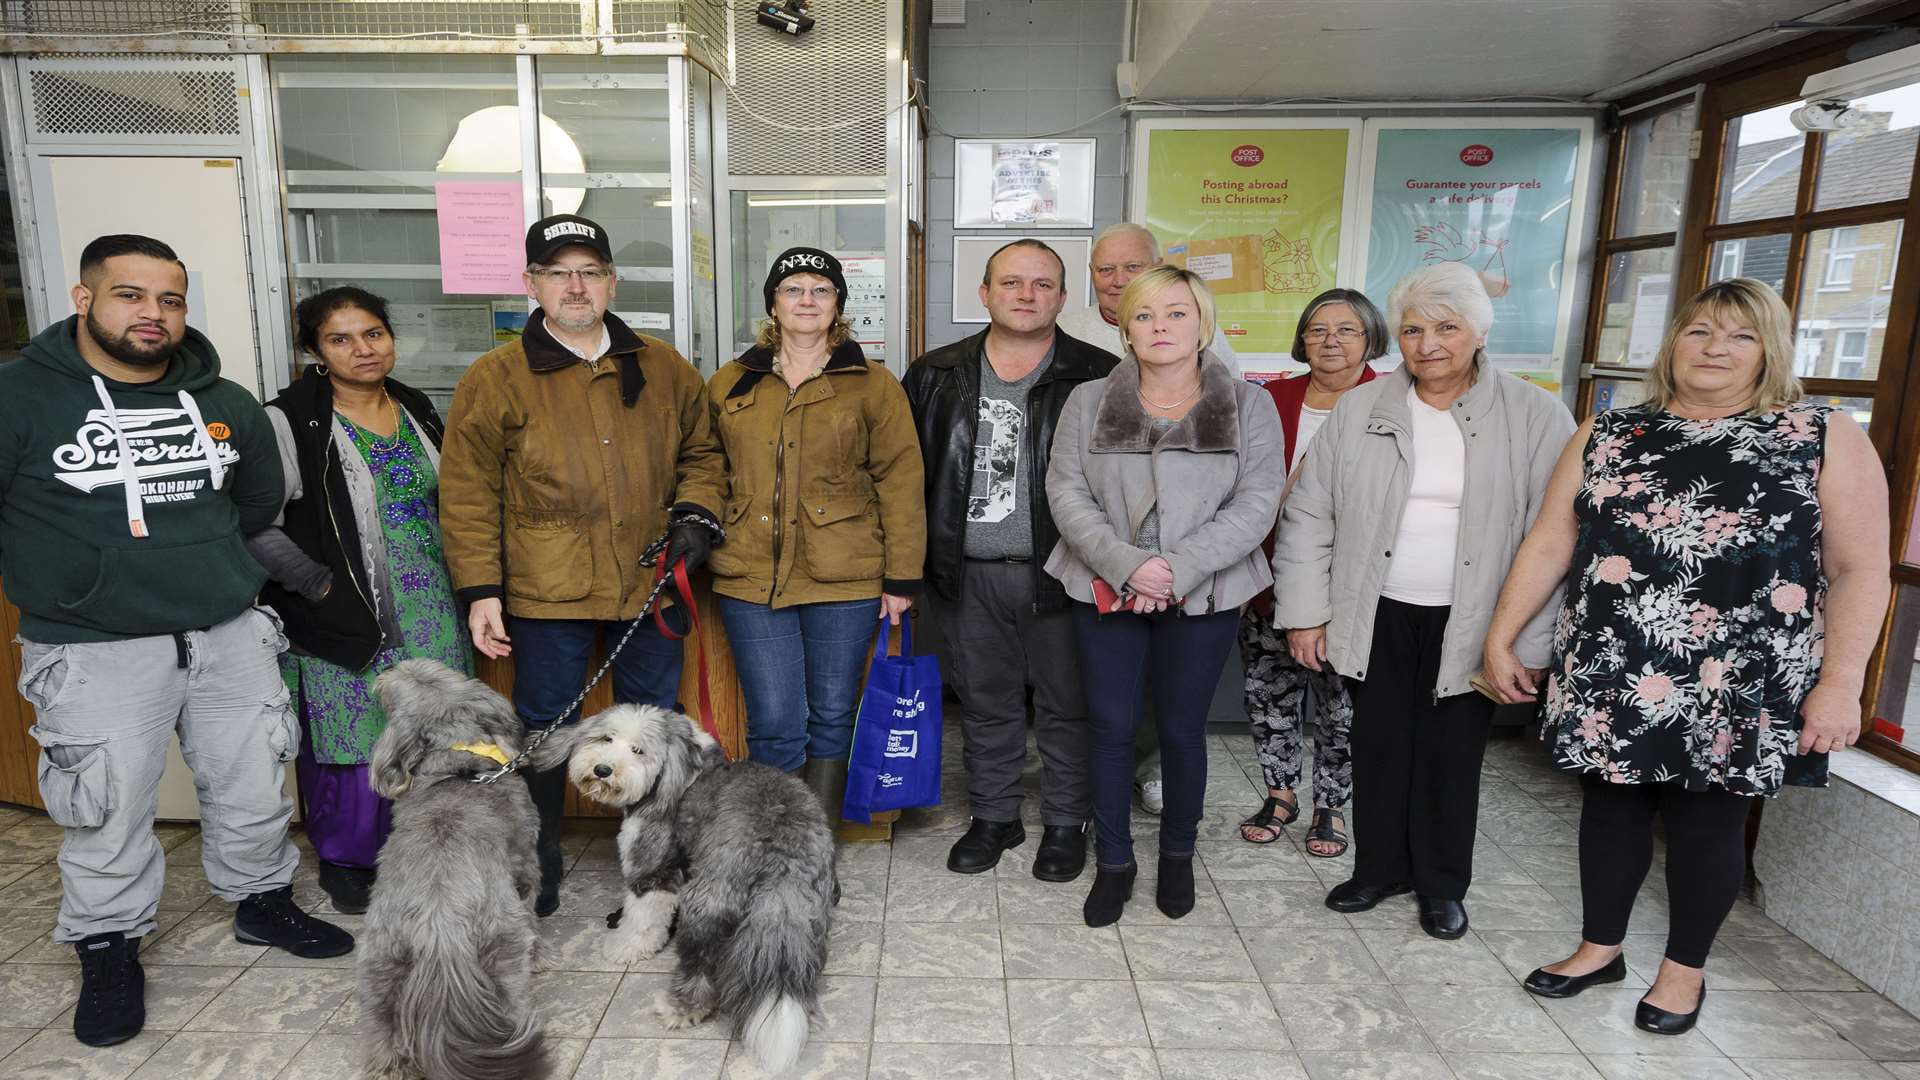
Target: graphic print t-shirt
999,515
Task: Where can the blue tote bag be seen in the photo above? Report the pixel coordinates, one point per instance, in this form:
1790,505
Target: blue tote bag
895,763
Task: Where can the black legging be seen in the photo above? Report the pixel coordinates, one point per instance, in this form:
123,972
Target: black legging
1706,860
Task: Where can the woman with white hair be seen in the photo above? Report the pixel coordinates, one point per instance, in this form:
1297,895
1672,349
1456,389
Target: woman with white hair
1391,552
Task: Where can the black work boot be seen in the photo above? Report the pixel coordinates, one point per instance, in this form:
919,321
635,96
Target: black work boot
827,779
272,918
549,790
113,990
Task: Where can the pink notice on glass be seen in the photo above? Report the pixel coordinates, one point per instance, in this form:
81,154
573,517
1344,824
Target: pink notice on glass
482,237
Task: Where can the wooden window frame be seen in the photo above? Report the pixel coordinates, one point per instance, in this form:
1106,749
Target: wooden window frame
1751,85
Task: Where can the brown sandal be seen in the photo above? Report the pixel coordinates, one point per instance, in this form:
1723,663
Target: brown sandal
1322,830
1269,820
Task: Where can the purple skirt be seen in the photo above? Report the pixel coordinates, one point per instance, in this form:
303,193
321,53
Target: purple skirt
346,821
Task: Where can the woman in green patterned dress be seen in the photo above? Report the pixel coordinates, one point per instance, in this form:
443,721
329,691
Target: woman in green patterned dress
358,574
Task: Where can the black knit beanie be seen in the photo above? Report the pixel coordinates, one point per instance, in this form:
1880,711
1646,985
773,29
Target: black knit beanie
806,260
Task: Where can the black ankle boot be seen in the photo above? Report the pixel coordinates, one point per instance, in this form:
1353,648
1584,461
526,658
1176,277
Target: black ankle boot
349,888
113,988
1173,895
549,790
1109,895
272,918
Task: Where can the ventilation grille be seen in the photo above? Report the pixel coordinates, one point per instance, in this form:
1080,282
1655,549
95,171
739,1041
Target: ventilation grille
385,25
949,12
833,74
88,100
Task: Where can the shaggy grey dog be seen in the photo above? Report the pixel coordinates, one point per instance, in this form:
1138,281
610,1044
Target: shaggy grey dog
741,850
449,944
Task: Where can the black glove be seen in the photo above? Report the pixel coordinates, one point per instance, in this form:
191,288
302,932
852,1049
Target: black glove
689,540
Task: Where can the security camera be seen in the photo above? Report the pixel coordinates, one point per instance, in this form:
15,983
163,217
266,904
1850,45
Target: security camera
1830,115
791,16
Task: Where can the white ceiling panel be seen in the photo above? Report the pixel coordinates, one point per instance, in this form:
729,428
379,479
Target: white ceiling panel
1411,50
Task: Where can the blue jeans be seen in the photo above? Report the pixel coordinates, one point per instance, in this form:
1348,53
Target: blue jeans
1184,655
550,658
801,670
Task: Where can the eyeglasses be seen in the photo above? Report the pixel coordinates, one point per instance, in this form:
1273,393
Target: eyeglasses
1319,334
795,292
558,275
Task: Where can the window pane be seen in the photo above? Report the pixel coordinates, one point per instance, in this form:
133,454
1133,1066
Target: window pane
1860,408
362,141
1897,706
1639,292
1872,162
1763,258
1844,297
850,224
1617,393
1760,168
1653,180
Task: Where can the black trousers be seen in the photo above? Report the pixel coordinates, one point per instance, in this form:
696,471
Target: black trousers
1416,760
1706,860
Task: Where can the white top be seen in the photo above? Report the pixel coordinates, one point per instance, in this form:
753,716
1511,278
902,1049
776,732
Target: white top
1421,568
1310,421
1088,325
606,342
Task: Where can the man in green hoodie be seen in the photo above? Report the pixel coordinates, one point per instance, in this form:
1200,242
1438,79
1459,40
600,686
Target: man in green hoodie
129,472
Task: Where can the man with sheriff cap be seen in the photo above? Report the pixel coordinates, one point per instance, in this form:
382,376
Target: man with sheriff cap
567,452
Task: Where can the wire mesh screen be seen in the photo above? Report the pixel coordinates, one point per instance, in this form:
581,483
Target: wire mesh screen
423,18
147,18
156,98
788,88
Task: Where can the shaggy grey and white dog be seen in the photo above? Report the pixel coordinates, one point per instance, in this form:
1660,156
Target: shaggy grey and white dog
741,850
448,949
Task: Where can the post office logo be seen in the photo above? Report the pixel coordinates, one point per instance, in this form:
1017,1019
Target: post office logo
1248,155
1477,155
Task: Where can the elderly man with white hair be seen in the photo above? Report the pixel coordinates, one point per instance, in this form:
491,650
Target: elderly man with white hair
1121,253
1391,553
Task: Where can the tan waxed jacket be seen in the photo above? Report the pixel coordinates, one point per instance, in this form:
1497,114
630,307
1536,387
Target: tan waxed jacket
824,496
556,473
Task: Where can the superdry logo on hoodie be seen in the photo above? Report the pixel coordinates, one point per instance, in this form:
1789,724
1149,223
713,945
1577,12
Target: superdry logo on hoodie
162,443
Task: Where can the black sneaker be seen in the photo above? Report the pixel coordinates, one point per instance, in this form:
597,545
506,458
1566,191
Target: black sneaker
272,918
113,990
348,888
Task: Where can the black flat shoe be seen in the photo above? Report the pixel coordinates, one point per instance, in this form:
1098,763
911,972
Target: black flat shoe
272,918
348,888
1658,1021
979,850
1351,896
1444,919
1109,895
1546,984
1062,853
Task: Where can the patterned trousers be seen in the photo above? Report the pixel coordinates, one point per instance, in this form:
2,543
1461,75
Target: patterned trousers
1276,698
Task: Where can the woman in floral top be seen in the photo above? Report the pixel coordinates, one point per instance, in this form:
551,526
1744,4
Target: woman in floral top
357,572
1719,613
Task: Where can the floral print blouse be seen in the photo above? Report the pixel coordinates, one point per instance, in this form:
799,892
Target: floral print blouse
1692,629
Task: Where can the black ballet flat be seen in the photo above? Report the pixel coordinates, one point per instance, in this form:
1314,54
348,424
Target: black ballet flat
1546,984
1658,1021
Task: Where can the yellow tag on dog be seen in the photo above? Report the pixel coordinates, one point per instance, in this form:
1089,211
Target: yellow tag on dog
485,750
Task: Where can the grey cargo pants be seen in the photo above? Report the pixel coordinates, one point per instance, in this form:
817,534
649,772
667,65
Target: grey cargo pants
105,712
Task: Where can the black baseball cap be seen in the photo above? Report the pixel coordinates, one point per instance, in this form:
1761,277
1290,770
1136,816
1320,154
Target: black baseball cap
549,235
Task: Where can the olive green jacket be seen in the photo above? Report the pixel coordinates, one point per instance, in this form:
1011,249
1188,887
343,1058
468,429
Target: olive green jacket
824,492
556,474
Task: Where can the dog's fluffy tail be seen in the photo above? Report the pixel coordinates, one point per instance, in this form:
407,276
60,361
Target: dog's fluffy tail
774,972
776,1032
463,1021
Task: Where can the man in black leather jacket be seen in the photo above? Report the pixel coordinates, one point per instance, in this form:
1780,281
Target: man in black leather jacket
985,410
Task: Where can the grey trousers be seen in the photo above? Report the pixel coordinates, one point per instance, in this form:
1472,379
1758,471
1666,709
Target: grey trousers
105,712
998,645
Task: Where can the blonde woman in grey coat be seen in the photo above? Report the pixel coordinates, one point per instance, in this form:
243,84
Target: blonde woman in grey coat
1165,478
1391,552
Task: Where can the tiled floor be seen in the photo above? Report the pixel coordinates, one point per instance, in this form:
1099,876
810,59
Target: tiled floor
939,976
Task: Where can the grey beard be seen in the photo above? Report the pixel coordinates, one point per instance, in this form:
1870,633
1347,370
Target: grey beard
575,326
